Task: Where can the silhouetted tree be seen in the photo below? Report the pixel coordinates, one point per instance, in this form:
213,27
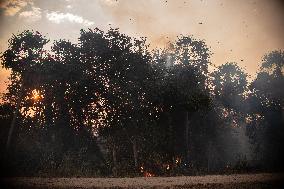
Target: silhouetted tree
265,105
23,57
183,89
108,103
229,85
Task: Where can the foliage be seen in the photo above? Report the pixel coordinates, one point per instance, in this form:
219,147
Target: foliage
110,106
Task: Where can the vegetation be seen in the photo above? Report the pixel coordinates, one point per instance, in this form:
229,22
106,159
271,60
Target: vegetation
109,105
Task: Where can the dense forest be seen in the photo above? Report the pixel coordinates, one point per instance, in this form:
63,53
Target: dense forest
111,106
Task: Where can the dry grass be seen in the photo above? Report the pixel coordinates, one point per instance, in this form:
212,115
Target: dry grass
243,181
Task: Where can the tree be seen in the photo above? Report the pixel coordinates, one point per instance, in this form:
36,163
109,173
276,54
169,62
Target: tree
183,86
266,110
23,57
54,102
122,64
229,83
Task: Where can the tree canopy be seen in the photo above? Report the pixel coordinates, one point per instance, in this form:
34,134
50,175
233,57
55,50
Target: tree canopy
110,105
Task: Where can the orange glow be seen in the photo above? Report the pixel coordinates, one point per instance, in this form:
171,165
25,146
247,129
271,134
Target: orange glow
148,174
36,95
178,160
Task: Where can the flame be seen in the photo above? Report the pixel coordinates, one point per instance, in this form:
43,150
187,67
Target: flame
36,95
168,167
148,174
178,160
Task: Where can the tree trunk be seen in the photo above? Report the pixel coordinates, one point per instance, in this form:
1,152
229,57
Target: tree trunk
15,114
208,157
187,137
171,137
135,152
114,169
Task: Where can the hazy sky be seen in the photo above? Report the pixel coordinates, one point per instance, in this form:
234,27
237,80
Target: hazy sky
236,30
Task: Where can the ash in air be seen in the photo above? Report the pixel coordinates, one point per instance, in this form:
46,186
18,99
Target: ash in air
115,103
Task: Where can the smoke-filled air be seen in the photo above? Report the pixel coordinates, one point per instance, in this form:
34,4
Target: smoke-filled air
118,88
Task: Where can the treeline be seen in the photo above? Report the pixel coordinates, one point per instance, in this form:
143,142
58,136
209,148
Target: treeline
108,105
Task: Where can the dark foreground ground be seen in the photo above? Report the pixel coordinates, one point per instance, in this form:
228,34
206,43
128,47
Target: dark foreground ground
239,181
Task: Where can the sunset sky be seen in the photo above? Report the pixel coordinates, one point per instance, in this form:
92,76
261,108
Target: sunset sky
241,31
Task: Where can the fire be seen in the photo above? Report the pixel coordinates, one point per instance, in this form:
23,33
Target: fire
178,160
141,169
36,95
146,173
168,167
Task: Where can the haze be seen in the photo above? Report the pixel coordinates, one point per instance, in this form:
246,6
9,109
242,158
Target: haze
237,31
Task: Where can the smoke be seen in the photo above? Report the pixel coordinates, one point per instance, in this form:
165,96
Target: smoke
243,145
233,29
233,145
